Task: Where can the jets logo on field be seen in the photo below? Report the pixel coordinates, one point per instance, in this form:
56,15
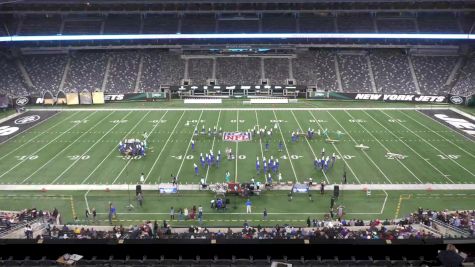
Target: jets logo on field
457,100
21,101
27,119
390,155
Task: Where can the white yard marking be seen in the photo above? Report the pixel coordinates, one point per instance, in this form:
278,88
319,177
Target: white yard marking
27,131
163,148
310,146
387,150
285,145
434,147
439,171
384,203
212,145
337,150
452,131
65,148
112,150
188,147
87,202
130,160
89,149
260,141
237,147
41,148
364,152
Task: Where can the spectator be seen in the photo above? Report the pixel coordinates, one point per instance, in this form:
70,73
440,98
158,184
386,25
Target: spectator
451,256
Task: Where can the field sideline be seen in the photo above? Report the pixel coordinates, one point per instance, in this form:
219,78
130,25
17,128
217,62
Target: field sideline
80,147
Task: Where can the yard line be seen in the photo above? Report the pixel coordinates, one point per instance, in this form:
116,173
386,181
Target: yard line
260,140
364,152
128,162
32,139
163,148
188,147
468,153
433,146
237,142
310,146
114,148
212,146
402,164
337,150
384,203
93,145
16,165
443,175
87,202
285,145
66,147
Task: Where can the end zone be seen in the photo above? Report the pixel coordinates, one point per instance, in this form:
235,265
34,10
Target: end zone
22,122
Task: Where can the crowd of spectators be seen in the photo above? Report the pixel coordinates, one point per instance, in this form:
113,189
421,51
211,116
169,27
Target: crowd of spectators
123,72
432,72
353,229
120,72
465,84
316,68
391,72
464,220
276,70
362,22
10,219
161,69
11,81
45,71
326,228
199,70
238,70
86,72
354,73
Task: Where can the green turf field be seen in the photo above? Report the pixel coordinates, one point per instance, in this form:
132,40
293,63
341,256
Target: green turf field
80,147
380,205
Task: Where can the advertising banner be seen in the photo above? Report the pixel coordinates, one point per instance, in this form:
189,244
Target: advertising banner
85,98
417,98
72,98
98,98
125,97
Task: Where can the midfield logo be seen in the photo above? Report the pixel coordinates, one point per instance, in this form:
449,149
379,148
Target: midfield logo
237,136
390,155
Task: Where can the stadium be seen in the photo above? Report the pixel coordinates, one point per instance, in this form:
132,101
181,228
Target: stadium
237,133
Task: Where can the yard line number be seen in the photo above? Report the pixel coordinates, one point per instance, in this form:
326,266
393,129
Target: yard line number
79,157
449,156
27,157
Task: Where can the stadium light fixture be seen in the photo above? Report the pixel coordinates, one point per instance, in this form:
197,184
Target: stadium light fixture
17,38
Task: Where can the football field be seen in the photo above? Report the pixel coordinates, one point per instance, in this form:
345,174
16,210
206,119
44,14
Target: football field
76,148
